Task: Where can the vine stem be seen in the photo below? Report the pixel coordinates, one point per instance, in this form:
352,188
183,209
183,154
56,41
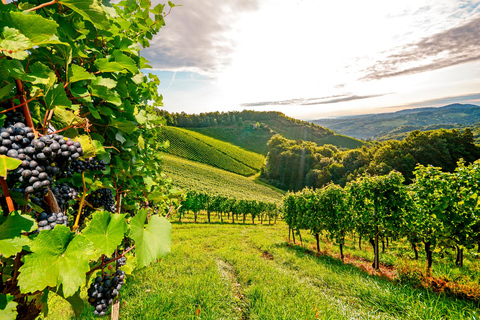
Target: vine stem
20,105
6,193
80,206
24,102
102,265
42,5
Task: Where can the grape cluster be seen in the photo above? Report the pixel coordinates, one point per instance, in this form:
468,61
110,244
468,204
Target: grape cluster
103,198
42,158
122,261
48,221
79,166
64,193
103,290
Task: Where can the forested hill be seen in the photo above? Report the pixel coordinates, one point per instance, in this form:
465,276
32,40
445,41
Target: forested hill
389,125
252,130
293,165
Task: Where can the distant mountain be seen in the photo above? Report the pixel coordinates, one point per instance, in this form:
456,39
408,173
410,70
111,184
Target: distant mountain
396,125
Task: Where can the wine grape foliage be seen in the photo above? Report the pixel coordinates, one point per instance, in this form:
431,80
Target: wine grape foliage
78,125
439,209
198,147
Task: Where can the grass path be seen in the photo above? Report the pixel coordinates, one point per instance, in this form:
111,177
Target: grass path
224,271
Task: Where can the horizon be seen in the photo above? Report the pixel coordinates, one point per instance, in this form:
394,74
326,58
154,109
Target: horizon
311,59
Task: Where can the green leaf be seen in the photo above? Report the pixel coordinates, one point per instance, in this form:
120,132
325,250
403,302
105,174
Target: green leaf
6,91
77,73
151,242
11,238
8,307
123,125
90,10
104,65
41,74
106,231
57,97
36,28
106,82
106,94
88,147
14,44
67,118
120,63
59,258
7,163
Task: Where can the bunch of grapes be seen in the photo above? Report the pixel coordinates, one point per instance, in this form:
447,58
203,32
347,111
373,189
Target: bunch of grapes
79,166
42,158
48,221
103,290
103,198
64,193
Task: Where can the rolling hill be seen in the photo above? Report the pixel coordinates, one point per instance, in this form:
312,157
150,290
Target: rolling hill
251,130
397,124
201,148
188,174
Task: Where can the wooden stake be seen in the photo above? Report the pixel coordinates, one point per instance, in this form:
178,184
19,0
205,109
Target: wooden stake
116,310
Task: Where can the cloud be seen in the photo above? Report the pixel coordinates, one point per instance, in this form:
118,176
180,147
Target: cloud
448,48
195,37
312,101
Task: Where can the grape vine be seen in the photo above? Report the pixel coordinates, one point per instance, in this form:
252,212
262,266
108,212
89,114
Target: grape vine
77,151
439,209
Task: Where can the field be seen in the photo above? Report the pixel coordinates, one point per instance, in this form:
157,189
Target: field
244,271
198,147
188,175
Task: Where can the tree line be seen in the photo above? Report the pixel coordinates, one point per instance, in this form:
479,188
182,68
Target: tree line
439,210
293,165
213,119
196,202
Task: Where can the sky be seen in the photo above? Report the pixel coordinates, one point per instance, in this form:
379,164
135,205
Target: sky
311,59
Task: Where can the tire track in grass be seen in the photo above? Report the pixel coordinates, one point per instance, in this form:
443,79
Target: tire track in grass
227,272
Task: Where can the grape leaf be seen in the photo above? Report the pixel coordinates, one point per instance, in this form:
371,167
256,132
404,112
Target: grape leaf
57,97
106,231
11,239
33,26
77,73
7,163
152,241
8,307
123,125
108,95
14,44
90,10
106,82
5,91
67,118
59,258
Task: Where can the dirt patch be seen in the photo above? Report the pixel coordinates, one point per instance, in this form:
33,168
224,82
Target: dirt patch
267,255
227,272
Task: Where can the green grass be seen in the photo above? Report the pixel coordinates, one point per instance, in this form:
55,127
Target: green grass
193,175
225,271
198,147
